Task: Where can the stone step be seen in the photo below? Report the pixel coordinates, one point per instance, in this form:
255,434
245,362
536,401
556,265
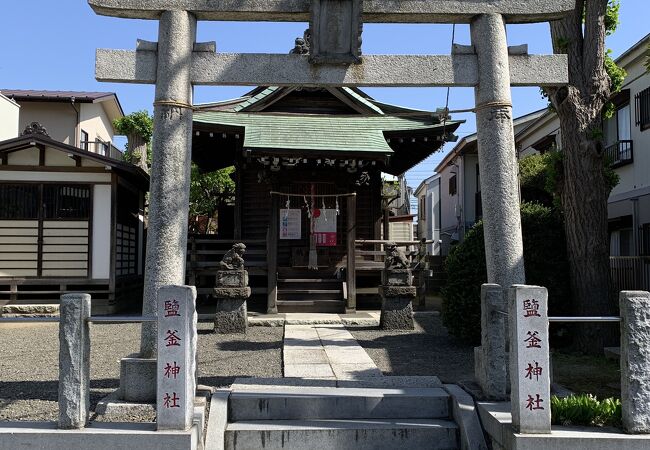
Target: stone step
311,305
343,435
278,403
309,291
310,280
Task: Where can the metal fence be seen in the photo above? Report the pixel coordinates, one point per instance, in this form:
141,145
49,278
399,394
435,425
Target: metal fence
630,273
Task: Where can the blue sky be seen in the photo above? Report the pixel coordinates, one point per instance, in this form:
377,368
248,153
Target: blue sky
51,45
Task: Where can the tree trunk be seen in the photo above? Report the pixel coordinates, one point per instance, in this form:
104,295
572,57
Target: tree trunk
138,150
583,186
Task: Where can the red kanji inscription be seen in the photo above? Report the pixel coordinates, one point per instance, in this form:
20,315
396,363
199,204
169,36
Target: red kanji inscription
533,341
172,371
171,401
172,339
171,308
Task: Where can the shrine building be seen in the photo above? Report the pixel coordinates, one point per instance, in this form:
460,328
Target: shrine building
308,165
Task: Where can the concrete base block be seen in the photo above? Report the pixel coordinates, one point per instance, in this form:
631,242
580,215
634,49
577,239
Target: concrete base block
138,379
497,423
113,409
231,316
98,436
396,313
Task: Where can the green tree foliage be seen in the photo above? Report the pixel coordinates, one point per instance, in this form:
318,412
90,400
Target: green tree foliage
210,190
140,123
138,128
545,260
539,175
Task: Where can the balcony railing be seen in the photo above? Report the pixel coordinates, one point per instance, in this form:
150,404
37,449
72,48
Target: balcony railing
102,148
619,153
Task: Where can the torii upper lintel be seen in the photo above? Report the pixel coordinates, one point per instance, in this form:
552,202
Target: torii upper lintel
374,11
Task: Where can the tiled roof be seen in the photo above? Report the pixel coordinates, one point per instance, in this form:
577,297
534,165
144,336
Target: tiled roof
79,96
319,132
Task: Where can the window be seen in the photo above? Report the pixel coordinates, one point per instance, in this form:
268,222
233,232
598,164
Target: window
19,201
66,201
422,208
642,109
645,239
452,185
102,147
623,122
83,144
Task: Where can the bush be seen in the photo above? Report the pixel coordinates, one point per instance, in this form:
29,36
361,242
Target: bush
544,258
585,410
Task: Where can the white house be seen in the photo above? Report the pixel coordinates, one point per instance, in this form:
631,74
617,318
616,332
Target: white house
71,213
429,213
81,119
9,115
455,191
627,148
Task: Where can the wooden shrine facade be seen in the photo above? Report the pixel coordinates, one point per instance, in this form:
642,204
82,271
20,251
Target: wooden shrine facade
308,165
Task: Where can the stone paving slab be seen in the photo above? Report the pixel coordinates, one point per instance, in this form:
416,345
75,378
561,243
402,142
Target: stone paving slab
355,371
325,351
308,370
305,356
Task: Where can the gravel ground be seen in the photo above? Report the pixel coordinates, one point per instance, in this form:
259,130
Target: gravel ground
426,350
29,363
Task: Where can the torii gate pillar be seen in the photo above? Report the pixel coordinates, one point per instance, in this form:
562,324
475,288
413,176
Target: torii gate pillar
497,154
171,165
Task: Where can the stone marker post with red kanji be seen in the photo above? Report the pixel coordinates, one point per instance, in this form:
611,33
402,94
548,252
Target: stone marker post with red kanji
529,359
176,368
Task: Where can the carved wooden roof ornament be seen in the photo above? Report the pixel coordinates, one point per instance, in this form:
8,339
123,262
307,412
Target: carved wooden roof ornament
35,128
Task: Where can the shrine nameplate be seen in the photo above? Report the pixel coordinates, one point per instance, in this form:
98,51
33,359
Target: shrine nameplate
529,359
176,367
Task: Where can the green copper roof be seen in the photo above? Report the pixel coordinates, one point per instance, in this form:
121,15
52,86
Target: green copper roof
319,132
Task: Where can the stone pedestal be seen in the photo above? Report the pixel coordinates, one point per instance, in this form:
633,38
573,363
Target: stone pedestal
397,277
231,293
138,379
397,307
231,315
231,278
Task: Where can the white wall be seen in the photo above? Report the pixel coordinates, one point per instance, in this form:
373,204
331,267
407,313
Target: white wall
63,177
9,116
101,242
59,119
470,187
433,203
95,122
637,175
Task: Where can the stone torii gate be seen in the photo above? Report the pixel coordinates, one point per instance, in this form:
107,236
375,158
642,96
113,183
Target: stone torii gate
177,62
